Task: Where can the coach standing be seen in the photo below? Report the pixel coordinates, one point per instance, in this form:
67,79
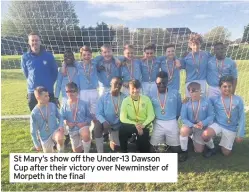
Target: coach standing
39,68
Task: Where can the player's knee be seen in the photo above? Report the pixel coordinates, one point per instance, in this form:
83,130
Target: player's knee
184,131
205,136
77,150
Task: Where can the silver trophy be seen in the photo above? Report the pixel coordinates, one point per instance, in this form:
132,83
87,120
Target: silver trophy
161,148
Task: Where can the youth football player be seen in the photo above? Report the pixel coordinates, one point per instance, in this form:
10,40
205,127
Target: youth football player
196,115
171,65
136,115
47,122
219,66
229,117
130,68
76,115
108,113
167,106
195,63
107,67
150,66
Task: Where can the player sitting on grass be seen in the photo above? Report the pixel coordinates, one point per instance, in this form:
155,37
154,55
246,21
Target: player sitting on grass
229,117
167,107
76,115
219,66
107,114
196,114
46,119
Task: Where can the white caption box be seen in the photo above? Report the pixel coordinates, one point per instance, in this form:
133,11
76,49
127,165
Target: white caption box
93,167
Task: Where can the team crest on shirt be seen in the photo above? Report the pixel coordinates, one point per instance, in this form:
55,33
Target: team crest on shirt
45,62
233,106
143,105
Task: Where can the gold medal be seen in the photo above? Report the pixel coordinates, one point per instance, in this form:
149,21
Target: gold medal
228,112
162,105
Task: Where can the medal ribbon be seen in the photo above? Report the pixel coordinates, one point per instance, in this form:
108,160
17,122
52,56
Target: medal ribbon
199,61
150,68
162,105
116,107
168,69
136,110
196,112
218,67
75,110
89,71
47,112
228,112
68,75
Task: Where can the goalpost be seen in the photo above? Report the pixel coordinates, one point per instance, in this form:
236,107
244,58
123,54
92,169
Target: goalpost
72,38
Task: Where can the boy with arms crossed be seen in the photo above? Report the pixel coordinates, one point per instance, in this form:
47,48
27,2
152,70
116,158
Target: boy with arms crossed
76,115
47,121
167,106
197,113
229,117
219,66
108,112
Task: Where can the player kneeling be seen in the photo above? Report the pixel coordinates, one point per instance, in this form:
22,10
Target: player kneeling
46,120
229,117
108,112
196,114
76,115
167,107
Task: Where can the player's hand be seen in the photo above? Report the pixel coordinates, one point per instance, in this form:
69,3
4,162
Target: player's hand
178,64
118,63
200,125
184,54
38,148
239,139
61,129
126,84
106,125
70,124
185,100
140,132
80,125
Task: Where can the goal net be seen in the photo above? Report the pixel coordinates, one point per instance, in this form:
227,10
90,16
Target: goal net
59,27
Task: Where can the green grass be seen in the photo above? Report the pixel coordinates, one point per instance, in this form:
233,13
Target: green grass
14,89
217,173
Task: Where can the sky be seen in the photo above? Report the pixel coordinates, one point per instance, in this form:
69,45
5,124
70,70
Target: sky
197,16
